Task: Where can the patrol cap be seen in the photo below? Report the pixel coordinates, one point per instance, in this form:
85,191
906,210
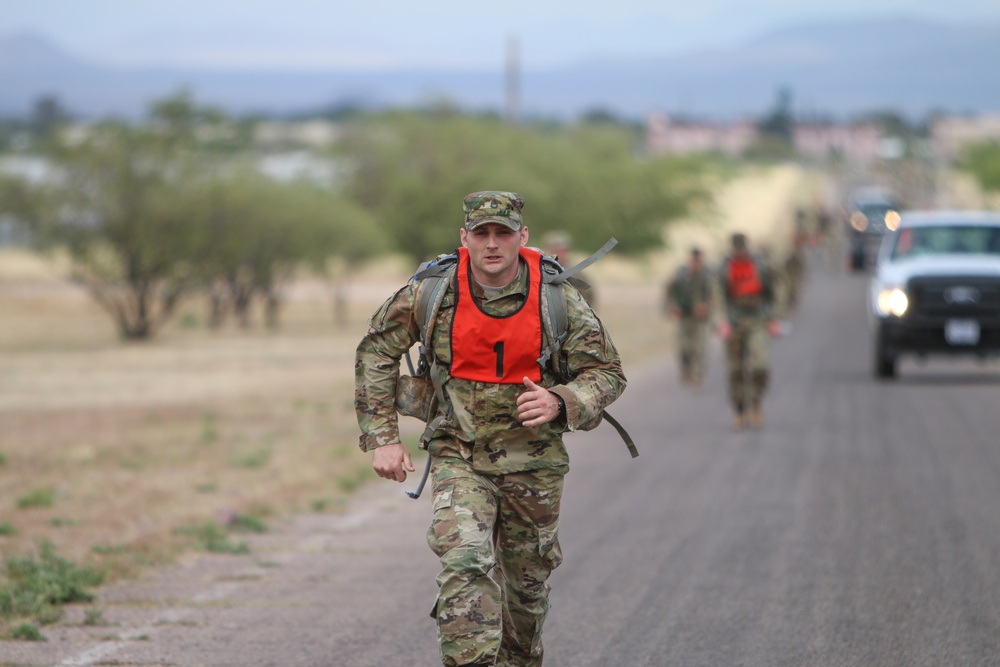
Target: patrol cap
503,208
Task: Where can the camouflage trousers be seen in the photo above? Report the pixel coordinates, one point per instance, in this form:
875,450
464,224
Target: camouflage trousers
691,340
496,537
748,358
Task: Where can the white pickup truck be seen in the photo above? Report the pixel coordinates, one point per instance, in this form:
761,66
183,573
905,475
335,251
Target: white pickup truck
936,288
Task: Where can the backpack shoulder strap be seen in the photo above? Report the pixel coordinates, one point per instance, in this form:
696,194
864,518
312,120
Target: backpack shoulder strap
556,325
434,278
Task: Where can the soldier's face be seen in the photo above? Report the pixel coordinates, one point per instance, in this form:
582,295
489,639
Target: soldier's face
493,252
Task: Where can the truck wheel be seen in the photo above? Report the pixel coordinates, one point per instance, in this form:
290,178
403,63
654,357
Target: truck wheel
884,362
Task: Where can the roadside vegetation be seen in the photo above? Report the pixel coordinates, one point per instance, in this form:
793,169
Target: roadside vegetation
156,212
983,162
33,591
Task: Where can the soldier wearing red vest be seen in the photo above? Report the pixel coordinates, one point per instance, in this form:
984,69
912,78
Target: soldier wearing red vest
498,458
748,322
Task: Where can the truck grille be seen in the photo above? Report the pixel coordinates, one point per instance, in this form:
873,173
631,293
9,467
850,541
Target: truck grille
946,297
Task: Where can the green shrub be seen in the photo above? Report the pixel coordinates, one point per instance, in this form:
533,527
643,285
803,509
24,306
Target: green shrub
37,498
7,529
26,632
248,524
61,522
254,458
211,537
209,428
37,588
94,616
983,161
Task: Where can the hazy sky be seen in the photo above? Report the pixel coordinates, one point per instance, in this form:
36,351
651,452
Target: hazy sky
453,33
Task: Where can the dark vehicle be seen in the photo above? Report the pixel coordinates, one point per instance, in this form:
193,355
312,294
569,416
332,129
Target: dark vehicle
936,288
872,212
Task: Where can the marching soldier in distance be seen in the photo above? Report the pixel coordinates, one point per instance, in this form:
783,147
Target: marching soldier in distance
747,291
689,302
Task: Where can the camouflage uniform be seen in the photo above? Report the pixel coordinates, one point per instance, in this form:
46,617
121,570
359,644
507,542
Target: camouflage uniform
795,270
748,356
689,293
497,485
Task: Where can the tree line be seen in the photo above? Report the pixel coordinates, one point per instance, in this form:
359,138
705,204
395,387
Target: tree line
982,160
155,212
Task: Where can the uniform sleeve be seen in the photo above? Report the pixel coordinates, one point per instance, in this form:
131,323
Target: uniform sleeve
392,330
725,306
670,294
594,364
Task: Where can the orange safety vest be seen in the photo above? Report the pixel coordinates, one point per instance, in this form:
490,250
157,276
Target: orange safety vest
742,278
504,349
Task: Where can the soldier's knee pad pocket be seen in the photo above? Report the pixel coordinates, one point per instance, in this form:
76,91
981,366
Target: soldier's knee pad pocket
548,546
442,534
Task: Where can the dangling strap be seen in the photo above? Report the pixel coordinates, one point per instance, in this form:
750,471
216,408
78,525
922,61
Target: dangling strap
568,273
623,433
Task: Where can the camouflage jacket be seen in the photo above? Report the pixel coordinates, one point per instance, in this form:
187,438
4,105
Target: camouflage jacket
687,289
484,427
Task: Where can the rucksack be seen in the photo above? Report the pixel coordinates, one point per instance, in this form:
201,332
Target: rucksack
435,277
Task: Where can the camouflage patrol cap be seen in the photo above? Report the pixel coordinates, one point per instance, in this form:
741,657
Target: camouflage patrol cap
503,208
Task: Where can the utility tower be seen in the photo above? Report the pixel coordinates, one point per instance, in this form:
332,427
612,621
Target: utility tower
513,81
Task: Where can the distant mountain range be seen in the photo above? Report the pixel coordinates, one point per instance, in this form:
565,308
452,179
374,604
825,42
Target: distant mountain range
832,69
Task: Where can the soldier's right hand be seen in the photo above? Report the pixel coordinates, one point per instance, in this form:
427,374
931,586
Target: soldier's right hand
725,330
392,461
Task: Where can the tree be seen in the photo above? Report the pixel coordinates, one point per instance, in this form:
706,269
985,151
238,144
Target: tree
410,169
260,231
779,123
775,140
115,204
116,200
983,161
46,117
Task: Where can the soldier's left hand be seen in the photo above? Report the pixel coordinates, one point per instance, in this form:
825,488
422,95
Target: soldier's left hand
537,405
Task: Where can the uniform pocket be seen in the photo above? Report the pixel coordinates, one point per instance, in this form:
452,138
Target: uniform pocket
443,499
548,546
441,534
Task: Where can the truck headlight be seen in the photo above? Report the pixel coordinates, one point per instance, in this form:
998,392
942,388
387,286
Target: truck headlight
893,301
859,221
892,220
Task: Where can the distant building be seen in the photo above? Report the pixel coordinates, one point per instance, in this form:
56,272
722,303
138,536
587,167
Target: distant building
860,143
950,135
857,143
307,134
667,136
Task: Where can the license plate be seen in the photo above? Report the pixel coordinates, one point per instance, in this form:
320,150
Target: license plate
961,332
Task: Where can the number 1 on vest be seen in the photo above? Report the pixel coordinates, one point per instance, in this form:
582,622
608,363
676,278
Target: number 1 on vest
498,348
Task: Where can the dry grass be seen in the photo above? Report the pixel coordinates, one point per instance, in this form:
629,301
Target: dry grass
132,441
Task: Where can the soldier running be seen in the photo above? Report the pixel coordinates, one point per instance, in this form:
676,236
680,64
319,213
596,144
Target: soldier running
497,456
